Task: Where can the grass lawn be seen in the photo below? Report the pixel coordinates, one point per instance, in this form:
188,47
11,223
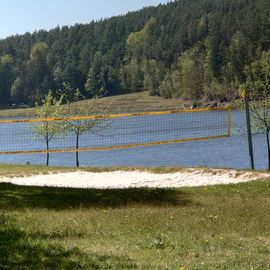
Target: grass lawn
135,102
217,227
10,170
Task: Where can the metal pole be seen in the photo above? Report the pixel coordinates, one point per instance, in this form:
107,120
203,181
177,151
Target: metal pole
250,146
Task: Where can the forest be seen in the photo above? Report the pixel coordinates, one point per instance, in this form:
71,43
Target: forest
190,49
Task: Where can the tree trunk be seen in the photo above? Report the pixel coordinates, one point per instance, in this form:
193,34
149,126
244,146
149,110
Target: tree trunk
268,148
47,147
77,152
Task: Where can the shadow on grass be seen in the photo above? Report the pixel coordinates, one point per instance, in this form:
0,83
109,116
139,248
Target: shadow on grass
13,197
21,251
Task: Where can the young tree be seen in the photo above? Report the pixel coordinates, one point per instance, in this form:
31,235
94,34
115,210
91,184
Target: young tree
47,130
258,84
83,126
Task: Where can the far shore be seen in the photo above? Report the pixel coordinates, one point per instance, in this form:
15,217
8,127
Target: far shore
127,103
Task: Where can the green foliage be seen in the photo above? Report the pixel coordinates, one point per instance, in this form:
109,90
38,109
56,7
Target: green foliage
138,71
167,88
16,93
217,91
185,79
47,130
50,107
69,94
258,84
258,77
95,77
153,75
137,42
239,56
132,75
207,52
79,127
191,76
6,77
39,71
102,79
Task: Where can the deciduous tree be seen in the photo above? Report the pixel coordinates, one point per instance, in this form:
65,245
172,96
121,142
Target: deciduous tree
258,84
46,130
97,126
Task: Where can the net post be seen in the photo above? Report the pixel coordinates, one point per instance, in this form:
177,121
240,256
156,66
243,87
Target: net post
229,121
245,96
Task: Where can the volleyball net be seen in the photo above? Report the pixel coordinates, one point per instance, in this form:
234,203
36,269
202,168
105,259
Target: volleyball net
114,131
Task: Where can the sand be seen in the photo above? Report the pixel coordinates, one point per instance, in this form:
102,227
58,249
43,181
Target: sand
134,179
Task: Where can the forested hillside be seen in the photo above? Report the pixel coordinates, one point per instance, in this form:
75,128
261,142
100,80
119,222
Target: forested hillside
187,48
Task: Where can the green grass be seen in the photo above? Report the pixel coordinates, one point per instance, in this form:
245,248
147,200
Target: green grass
11,170
135,102
217,227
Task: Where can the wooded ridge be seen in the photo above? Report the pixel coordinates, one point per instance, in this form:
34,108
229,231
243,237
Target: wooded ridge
188,48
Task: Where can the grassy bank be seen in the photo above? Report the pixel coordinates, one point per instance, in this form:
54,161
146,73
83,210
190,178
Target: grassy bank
135,102
10,170
218,227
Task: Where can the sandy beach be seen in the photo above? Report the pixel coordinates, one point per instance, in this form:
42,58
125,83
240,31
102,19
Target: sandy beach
134,179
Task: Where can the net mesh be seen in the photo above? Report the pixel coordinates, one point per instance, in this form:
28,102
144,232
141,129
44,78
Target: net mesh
88,133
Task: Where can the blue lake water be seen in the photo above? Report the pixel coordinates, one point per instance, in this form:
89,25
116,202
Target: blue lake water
219,153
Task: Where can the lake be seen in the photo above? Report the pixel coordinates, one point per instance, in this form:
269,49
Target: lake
216,153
